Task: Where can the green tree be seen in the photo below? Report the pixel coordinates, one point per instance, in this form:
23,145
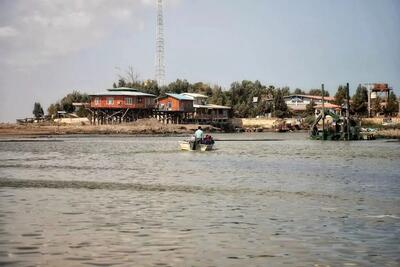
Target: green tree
241,95
218,97
121,82
360,101
310,108
82,112
269,107
74,97
178,87
285,91
201,88
298,91
67,106
228,98
53,109
340,96
270,91
392,106
281,110
318,92
376,105
37,110
260,108
151,87
242,110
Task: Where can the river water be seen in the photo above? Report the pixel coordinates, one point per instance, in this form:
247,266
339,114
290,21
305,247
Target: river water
139,201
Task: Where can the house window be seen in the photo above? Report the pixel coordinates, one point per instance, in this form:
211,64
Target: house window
128,101
139,99
110,100
169,104
97,100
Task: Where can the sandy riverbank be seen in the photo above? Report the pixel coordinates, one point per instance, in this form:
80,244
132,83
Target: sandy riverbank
145,126
388,133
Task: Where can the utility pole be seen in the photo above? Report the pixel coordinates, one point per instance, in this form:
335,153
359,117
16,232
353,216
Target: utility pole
369,87
160,66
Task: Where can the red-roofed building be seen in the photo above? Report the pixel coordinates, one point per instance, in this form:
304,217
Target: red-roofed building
120,105
122,98
328,106
175,102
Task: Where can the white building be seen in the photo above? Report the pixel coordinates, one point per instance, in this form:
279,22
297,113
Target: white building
207,112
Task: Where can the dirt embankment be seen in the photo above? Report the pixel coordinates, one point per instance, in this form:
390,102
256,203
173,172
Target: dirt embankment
384,128
388,133
144,126
379,121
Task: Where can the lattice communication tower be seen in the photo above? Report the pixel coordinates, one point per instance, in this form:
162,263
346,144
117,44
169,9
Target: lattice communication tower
160,66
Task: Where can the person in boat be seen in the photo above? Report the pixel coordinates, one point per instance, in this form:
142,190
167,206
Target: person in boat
197,138
208,140
199,135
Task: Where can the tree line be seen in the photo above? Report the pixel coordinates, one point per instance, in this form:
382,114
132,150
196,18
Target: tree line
65,104
251,98
246,98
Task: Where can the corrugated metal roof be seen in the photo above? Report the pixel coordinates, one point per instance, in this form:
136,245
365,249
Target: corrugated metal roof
122,89
200,106
121,93
180,96
218,106
315,97
195,95
210,106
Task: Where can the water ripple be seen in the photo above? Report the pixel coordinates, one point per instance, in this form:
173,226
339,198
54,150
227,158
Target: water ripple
27,183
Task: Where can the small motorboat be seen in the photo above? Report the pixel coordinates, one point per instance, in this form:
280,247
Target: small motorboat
191,145
188,145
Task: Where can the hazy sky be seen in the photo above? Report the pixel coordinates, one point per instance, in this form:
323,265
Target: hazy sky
51,47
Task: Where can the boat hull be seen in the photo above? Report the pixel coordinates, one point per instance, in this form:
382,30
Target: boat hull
184,145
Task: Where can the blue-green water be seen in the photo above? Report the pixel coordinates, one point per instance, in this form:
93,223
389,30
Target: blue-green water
139,201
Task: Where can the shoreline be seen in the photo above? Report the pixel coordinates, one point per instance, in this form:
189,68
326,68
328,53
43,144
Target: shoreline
144,127
140,127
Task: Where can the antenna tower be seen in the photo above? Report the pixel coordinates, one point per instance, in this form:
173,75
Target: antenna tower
160,66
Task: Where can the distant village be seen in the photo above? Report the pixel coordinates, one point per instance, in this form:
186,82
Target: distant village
182,102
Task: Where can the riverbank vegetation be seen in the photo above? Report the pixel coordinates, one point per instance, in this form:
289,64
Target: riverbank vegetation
66,104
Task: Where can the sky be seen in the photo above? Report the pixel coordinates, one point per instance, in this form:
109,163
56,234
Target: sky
49,48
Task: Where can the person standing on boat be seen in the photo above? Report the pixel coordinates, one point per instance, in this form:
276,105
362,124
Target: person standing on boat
199,134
